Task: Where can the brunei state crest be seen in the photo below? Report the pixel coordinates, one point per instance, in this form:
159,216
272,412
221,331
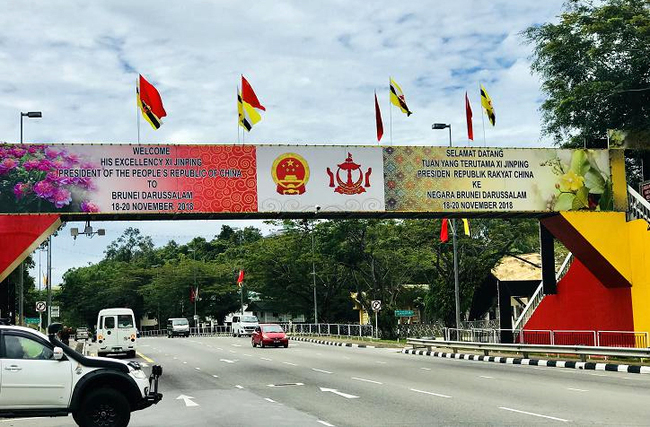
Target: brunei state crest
290,173
350,177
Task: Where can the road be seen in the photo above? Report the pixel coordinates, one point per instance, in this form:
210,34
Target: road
225,382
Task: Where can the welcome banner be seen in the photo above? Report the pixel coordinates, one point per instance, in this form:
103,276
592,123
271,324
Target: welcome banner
212,179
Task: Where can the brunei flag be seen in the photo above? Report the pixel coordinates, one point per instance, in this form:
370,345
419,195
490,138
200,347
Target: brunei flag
150,103
397,98
248,106
486,102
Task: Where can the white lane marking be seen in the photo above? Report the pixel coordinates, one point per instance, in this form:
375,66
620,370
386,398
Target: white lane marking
185,363
236,345
365,380
175,358
219,348
232,351
216,376
325,423
239,387
269,400
320,370
289,363
598,375
379,361
187,400
486,377
576,389
226,360
426,369
430,393
267,359
340,393
534,414
285,385
198,369
249,355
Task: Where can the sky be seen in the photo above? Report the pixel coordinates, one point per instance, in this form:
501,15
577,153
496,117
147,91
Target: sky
314,65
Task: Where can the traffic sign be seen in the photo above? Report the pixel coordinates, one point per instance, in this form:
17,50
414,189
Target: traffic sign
31,320
40,306
54,311
375,304
404,313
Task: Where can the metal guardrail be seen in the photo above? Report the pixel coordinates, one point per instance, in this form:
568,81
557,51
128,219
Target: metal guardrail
638,207
538,296
550,337
527,349
329,329
215,331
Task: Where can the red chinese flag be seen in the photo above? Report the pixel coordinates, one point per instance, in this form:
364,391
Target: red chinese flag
444,236
149,95
248,95
468,114
380,123
192,295
240,279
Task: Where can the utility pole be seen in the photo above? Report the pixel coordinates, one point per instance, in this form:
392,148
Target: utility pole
49,281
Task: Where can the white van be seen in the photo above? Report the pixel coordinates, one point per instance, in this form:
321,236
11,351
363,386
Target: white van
116,332
243,325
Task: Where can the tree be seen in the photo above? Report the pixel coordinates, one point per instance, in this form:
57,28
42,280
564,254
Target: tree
594,64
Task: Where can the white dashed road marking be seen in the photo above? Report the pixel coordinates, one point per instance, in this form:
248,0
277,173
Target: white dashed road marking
534,414
430,393
320,370
365,380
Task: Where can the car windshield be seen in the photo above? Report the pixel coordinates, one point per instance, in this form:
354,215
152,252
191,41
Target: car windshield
179,322
249,319
125,321
272,328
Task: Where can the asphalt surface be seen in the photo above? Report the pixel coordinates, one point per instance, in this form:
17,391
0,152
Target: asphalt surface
225,382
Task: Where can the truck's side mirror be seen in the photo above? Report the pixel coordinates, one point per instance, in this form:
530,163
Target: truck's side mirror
58,353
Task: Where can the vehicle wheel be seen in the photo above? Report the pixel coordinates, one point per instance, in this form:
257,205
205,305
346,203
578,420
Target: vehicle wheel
286,345
100,354
130,354
104,407
262,344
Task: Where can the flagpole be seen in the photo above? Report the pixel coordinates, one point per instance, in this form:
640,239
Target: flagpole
390,107
456,284
137,107
238,140
482,118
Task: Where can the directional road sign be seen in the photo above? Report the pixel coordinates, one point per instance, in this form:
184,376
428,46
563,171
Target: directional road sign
375,304
40,306
31,320
404,313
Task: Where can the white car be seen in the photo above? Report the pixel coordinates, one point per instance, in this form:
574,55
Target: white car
41,376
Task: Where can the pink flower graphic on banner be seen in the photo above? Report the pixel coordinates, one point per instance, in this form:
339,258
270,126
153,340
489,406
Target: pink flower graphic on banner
36,178
89,207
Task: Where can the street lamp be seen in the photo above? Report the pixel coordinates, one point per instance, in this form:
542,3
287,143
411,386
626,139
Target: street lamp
196,296
439,126
21,299
313,262
88,231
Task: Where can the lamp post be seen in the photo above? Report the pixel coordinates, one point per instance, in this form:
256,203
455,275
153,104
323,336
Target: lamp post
313,262
21,281
196,297
439,126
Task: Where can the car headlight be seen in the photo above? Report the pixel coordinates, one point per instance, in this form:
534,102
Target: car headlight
139,374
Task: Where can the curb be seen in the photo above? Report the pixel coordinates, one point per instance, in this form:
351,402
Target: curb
334,343
631,369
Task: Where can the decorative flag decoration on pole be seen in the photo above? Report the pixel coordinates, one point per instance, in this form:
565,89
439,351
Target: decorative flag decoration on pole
397,98
466,226
150,103
486,102
444,234
468,115
248,106
240,279
192,294
380,123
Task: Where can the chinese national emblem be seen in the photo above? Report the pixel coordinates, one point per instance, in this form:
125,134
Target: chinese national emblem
290,173
354,179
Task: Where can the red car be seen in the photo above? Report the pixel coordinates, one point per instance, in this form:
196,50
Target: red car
265,335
